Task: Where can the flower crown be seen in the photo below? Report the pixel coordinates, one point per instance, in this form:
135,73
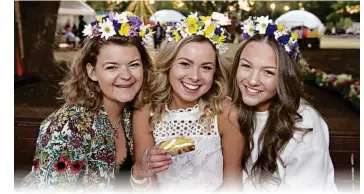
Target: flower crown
114,24
264,25
208,26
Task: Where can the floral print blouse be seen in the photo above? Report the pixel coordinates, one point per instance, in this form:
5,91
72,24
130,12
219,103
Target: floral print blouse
75,149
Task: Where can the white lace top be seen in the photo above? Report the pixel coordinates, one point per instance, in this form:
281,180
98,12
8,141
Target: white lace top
198,170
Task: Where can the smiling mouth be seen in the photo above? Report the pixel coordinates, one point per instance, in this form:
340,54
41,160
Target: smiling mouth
252,91
123,85
191,87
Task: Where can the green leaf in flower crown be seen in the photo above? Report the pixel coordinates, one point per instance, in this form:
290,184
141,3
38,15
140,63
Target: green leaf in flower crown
200,24
215,38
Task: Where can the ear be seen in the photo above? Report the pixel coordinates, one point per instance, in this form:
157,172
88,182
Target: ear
91,72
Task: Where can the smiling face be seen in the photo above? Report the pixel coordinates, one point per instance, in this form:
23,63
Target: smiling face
192,72
257,75
118,71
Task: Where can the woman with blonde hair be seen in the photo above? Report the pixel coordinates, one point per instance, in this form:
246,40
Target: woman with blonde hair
87,143
188,106
287,139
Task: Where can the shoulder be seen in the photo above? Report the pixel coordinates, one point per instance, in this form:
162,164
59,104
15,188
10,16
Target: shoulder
316,135
145,110
228,116
309,116
68,113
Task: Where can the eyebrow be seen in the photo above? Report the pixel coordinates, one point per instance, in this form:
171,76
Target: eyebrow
267,66
190,61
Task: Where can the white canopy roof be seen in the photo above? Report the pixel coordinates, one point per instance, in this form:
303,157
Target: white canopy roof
166,15
296,18
75,8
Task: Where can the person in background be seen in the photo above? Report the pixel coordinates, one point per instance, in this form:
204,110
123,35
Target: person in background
81,27
158,35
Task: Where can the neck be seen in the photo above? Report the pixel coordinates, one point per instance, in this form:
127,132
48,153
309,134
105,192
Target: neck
113,109
178,103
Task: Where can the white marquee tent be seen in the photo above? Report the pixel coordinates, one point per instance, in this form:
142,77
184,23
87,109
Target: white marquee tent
69,11
296,18
166,15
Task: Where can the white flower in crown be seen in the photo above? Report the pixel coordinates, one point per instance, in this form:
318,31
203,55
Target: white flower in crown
248,28
220,18
88,30
122,18
107,29
263,24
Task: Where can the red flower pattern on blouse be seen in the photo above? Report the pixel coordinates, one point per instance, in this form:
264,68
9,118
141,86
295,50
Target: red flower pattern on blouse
61,165
76,166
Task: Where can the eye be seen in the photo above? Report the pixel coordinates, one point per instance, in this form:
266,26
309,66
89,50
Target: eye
245,65
184,64
269,72
134,65
207,68
111,67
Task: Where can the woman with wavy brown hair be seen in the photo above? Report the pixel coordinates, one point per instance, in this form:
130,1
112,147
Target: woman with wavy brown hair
188,107
87,143
287,140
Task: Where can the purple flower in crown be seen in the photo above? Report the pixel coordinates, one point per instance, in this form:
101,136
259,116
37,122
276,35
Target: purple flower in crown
112,16
105,17
245,36
271,28
116,25
284,39
94,23
135,22
218,31
133,32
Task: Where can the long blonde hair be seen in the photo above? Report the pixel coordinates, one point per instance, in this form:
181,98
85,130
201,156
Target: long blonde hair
77,87
161,91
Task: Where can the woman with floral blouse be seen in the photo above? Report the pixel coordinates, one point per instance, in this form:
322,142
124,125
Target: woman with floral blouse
87,143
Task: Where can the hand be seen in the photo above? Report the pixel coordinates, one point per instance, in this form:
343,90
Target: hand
154,160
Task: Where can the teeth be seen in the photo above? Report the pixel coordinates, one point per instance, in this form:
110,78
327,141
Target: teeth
123,86
189,86
252,90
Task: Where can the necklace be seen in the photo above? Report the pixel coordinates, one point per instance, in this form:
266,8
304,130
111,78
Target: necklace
115,129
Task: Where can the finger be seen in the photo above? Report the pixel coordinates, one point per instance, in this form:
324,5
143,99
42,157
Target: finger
156,151
158,158
159,164
159,169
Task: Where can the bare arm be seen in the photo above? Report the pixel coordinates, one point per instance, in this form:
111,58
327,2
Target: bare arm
232,146
143,139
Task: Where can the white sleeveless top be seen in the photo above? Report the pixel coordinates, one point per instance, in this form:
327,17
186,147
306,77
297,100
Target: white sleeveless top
198,170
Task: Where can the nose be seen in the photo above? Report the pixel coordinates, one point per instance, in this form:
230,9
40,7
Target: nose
125,73
194,74
253,78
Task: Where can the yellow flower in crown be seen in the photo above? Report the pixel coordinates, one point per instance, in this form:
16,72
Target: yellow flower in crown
210,30
176,35
294,36
280,27
192,24
210,27
124,29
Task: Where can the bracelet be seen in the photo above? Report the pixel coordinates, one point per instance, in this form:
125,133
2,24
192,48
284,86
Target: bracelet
133,181
144,180
141,189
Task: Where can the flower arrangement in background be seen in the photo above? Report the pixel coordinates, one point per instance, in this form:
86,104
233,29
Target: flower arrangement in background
208,26
344,84
115,24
